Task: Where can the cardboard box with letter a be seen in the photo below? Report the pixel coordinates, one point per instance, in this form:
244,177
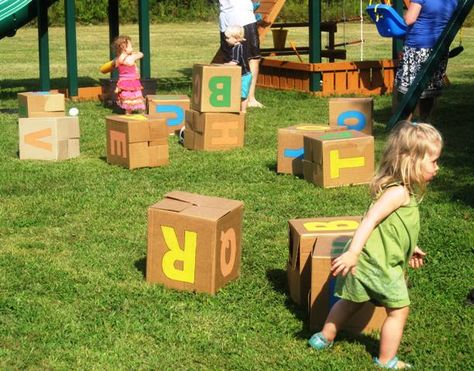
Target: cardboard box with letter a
169,107
338,158
352,113
367,318
303,234
194,242
135,141
40,104
214,131
49,138
216,88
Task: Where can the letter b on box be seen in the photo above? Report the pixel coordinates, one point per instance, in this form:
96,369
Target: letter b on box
194,242
216,88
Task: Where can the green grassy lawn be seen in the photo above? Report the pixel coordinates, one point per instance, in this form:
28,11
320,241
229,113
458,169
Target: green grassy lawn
73,233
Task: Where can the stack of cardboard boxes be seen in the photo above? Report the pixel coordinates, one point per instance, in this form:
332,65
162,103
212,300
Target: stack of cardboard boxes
335,155
45,132
214,122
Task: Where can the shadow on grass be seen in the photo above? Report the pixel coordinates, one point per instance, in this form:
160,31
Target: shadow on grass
140,264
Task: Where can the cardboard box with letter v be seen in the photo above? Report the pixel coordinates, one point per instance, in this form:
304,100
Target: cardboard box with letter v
194,242
367,318
135,141
303,234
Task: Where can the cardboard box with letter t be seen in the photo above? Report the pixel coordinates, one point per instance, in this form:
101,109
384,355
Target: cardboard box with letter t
49,138
135,141
40,104
194,242
216,88
169,107
352,113
367,318
211,131
338,158
291,146
303,234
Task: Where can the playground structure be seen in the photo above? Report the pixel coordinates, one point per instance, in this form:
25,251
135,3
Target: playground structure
14,14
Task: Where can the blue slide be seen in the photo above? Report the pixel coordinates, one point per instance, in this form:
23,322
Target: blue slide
16,13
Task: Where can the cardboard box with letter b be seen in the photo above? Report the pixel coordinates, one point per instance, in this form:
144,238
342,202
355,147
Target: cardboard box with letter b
216,88
194,242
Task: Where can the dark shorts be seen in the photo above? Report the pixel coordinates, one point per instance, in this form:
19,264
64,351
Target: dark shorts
251,45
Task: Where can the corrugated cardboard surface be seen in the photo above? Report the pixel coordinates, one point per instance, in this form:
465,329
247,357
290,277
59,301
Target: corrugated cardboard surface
214,131
303,234
169,107
339,158
217,225
291,146
136,141
368,318
352,113
48,138
216,88
40,104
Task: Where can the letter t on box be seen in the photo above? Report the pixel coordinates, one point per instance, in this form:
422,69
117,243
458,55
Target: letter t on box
194,242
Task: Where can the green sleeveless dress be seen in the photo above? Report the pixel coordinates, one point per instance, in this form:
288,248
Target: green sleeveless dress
380,271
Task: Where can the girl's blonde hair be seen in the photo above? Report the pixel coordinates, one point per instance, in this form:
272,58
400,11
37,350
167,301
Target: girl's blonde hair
120,43
406,147
235,31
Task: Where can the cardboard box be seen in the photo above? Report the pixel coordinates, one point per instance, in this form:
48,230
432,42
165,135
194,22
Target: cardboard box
169,107
368,318
337,159
303,234
291,146
352,113
216,88
214,131
40,104
194,242
135,141
48,138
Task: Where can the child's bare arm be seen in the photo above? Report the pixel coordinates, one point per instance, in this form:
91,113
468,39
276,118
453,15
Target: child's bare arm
391,200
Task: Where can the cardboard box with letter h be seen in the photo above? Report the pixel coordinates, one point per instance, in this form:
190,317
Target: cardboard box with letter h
338,158
135,141
214,121
194,242
291,146
169,107
49,138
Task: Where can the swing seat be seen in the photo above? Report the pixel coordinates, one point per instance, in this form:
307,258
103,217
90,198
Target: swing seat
389,23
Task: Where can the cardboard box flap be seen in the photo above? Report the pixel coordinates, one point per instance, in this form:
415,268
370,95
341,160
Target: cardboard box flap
171,205
205,201
204,212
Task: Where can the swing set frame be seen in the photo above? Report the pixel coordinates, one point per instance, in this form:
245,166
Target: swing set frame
331,78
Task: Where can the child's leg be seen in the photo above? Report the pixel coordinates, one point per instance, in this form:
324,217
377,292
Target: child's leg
244,104
391,334
341,311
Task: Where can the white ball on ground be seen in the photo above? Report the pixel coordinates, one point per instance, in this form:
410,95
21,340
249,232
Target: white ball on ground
73,111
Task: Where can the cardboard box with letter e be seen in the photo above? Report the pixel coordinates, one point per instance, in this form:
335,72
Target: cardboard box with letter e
339,158
352,113
367,318
291,146
135,141
49,138
194,242
303,234
169,107
40,104
216,88
214,131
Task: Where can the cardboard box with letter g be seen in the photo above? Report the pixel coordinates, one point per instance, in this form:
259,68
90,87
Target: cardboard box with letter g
303,234
194,242
216,88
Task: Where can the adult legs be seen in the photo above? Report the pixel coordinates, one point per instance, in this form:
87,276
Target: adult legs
254,65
